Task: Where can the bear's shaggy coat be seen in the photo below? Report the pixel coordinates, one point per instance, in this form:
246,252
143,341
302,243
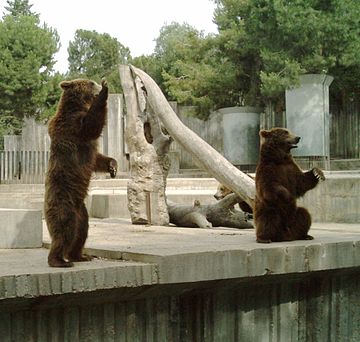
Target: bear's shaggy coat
77,124
279,182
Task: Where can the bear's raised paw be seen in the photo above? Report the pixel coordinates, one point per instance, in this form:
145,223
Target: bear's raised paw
113,168
104,83
318,174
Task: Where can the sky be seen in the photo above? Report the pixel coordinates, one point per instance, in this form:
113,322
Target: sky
135,23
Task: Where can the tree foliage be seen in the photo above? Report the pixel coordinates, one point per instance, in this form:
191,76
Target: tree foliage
27,51
262,48
272,42
189,68
95,55
18,8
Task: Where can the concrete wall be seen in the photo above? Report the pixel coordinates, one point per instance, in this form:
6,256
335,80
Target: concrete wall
335,200
316,307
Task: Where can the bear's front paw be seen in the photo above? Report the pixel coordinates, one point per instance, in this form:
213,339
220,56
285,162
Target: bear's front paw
318,174
104,83
113,168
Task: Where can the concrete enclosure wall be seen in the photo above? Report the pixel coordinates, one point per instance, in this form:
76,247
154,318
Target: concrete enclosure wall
321,307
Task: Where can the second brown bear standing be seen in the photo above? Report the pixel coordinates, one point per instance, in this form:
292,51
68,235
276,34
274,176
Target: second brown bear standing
279,182
74,130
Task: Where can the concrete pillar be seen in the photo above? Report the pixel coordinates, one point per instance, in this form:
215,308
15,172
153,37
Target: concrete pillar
241,134
307,115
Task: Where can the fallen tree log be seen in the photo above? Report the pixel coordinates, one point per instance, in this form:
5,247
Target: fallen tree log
220,214
207,157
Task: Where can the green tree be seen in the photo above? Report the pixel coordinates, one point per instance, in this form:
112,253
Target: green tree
27,51
95,55
272,42
152,65
18,8
189,68
53,96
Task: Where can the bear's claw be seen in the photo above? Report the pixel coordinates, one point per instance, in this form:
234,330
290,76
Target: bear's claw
113,168
55,262
104,82
318,174
112,171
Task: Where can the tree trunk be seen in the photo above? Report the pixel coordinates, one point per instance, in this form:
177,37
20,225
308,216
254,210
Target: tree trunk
148,148
211,160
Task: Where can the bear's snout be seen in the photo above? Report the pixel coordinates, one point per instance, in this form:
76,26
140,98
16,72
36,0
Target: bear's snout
297,139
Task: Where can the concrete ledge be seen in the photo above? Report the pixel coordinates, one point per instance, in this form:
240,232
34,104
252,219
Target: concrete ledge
20,228
192,255
25,273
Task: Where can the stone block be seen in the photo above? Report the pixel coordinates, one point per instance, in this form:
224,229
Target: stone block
20,228
109,205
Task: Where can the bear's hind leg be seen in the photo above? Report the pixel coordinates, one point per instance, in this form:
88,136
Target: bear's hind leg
269,226
76,250
301,225
59,244
61,223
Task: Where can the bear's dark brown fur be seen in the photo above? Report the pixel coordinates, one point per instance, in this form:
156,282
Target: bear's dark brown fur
279,182
74,130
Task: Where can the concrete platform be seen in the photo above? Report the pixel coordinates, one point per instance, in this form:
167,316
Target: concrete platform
194,255
185,284
168,255
25,273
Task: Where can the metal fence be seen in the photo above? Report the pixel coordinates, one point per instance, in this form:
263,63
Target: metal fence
23,166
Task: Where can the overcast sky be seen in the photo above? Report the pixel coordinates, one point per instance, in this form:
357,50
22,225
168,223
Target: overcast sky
135,23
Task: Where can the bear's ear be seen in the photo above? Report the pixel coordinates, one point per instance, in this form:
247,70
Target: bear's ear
65,84
264,133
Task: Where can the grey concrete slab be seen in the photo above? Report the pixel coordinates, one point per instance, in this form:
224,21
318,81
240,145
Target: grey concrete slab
190,254
25,273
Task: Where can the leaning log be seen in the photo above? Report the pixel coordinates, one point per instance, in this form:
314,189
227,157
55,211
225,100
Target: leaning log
219,214
208,158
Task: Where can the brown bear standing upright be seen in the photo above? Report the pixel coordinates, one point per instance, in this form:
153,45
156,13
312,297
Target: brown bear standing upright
279,182
74,130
